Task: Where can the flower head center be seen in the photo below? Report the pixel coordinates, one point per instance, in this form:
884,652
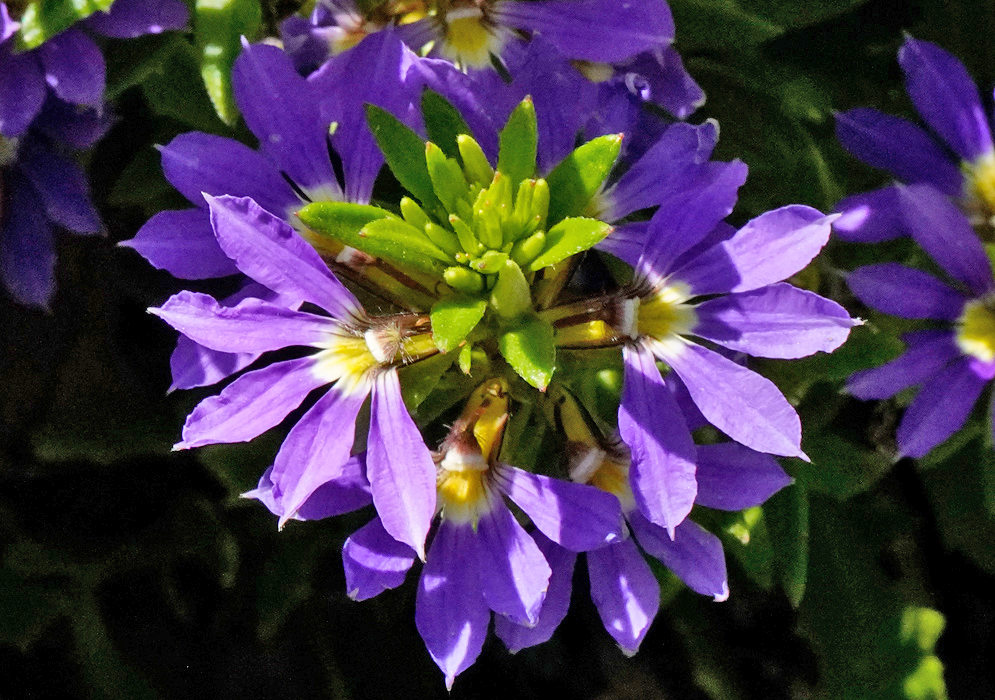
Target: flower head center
979,195
470,37
666,313
976,330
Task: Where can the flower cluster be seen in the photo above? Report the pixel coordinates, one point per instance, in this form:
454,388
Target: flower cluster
51,100
483,327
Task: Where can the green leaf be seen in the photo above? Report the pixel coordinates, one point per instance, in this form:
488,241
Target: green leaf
569,237
447,178
443,122
131,62
399,242
420,379
793,15
219,26
720,24
175,90
787,522
454,318
44,19
580,175
404,151
747,538
27,608
340,219
518,138
529,348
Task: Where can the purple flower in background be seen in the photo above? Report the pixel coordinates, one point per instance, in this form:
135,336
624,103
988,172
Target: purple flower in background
955,154
353,353
624,589
952,361
51,97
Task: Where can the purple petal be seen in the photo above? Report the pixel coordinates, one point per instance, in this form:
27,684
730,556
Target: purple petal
8,27
742,404
663,453
514,576
182,243
898,146
594,30
664,81
62,186
251,405
927,354
662,171
128,19
253,325
575,516
694,555
349,492
870,217
281,109
778,321
400,466
450,612
195,163
27,253
946,97
624,591
74,68
768,249
374,561
682,222
944,232
905,292
318,447
939,409
733,477
269,251
22,91
554,607
626,242
74,125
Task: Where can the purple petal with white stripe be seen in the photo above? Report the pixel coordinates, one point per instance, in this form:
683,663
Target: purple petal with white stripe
554,608
281,109
253,325
575,516
514,576
269,251
624,591
594,30
251,405
928,352
899,147
939,409
745,406
182,243
943,231
946,97
22,91
374,561
128,19
870,217
733,477
768,249
400,467
905,292
450,613
663,453
694,555
317,448
74,67
779,321
195,163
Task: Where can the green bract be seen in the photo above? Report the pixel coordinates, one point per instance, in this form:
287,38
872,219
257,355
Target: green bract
486,237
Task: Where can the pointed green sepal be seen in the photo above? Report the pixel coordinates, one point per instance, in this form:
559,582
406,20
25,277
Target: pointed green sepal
569,237
475,164
518,138
466,358
529,348
490,262
511,297
413,213
443,238
404,151
340,220
580,175
443,122
527,250
464,279
447,178
453,319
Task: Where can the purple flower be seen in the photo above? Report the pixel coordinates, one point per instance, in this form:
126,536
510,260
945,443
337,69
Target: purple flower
623,588
955,359
50,96
356,355
955,154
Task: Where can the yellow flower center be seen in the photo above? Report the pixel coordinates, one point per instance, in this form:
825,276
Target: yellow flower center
666,314
979,194
470,38
461,486
976,330
347,356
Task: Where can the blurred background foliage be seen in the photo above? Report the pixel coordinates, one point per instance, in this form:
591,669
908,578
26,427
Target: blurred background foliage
129,571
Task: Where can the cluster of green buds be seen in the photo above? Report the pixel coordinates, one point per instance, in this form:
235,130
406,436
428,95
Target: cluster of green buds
486,250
